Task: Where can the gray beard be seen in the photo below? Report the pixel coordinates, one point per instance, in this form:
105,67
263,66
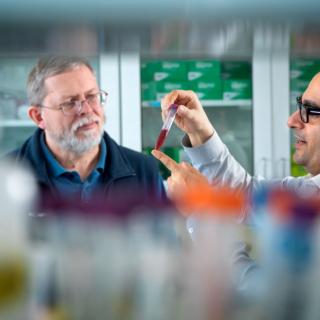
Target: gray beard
68,140
79,146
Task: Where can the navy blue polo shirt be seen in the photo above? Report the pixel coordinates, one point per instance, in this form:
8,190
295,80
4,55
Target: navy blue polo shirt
67,181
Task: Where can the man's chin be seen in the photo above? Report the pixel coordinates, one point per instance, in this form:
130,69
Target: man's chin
87,138
81,145
298,159
90,141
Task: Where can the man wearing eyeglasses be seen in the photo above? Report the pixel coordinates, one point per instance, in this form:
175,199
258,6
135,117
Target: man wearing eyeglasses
69,153
212,158
217,166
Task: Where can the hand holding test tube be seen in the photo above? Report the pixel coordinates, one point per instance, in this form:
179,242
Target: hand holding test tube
166,125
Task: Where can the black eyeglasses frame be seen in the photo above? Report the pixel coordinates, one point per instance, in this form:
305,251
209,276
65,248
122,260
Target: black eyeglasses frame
305,110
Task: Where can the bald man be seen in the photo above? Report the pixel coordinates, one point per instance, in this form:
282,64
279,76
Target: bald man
213,160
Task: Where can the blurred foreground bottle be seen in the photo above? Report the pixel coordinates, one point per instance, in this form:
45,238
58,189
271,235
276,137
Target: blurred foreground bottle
17,193
212,215
290,251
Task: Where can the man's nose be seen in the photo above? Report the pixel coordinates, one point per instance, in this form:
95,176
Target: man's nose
85,107
294,120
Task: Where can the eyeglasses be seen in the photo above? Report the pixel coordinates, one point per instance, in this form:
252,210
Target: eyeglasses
306,110
69,108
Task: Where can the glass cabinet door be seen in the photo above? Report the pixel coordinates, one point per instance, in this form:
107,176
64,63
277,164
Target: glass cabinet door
224,88
15,125
249,109
214,61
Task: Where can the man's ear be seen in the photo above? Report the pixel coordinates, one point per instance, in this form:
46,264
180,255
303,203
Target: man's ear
35,114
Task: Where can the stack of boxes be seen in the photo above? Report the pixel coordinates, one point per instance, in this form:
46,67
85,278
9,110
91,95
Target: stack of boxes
210,79
237,83
204,78
161,77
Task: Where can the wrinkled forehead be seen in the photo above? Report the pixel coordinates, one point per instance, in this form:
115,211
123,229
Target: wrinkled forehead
82,68
73,82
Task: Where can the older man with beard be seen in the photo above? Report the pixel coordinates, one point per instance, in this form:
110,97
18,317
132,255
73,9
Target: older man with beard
69,153
214,165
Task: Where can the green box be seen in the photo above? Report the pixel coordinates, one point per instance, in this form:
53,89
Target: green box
304,68
203,70
162,88
207,90
147,69
148,91
236,70
237,89
167,71
163,71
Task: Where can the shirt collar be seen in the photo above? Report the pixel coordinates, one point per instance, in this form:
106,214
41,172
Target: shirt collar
56,169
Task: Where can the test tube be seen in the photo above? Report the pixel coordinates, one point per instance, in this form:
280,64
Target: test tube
166,125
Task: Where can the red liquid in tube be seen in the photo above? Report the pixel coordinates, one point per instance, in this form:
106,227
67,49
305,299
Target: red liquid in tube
162,136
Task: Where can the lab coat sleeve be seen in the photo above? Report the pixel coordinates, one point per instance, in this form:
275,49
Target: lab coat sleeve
214,160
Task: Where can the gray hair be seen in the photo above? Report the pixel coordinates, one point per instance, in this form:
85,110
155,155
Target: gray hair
47,67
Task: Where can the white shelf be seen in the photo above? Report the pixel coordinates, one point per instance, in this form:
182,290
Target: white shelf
16,123
209,103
